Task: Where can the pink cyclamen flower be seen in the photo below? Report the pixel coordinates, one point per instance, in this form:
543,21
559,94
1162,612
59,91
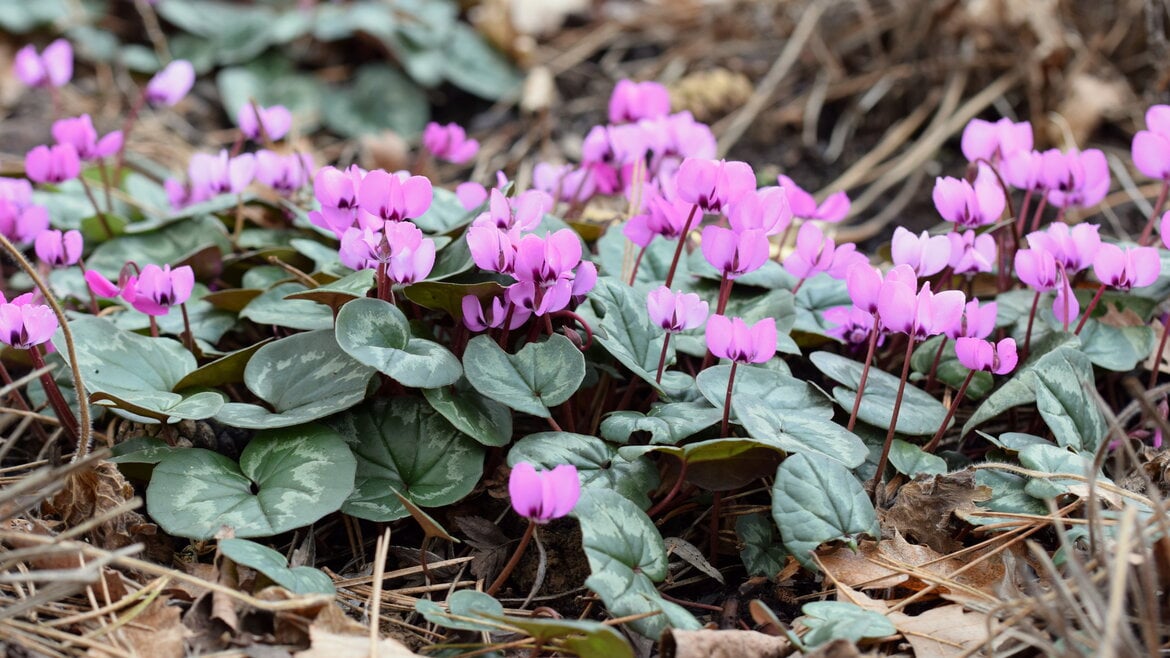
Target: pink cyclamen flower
20,219
864,283
979,354
1164,229
58,249
977,321
632,101
541,496
24,325
171,84
1073,247
733,339
813,253
925,253
79,132
399,246
833,209
1037,269
212,175
852,325
284,173
713,184
477,318
1151,147
156,289
971,252
766,209
734,254
984,140
675,311
1124,269
394,197
449,142
52,164
920,314
51,68
845,257
1081,180
663,216
967,205
471,194
273,122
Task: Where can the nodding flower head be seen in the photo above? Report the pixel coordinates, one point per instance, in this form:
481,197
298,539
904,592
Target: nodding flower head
170,85
541,496
51,68
449,142
256,122
675,311
978,354
632,101
713,184
732,338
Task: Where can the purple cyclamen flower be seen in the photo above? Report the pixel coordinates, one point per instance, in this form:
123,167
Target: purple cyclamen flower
984,140
852,325
977,321
1082,180
273,122
632,101
51,68
1073,247
23,325
833,209
675,311
20,219
733,339
713,184
925,253
1151,147
171,84
471,194
766,209
920,314
57,249
79,132
399,246
544,269
564,182
663,216
394,197
1037,269
971,252
845,257
865,282
734,254
518,214
979,354
813,253
1124,269
52,164
541,496
449,142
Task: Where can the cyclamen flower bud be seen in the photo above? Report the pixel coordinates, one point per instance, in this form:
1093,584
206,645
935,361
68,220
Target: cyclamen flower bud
449,142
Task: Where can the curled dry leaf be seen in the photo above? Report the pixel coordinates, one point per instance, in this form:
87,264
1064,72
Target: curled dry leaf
925,507
722,644
897,563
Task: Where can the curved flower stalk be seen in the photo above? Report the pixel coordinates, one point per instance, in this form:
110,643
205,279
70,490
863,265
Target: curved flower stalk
732,339
539,496
976,354
675,312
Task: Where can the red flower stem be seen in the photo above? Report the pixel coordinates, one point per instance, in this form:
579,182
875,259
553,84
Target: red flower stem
1031,319
105,173
1148,231
153,327
511,565
934,364
662,358
1039,211
380,275
727,401
682,240
188,337
127,126
580,322
724,294
884,459
56,398
796,288
942,429
1157,365
101,215
1089,311
682,476
637,262
1022,218
873,338
504,329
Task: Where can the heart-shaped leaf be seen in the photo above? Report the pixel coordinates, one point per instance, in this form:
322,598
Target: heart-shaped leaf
911,460
303,377
761,555
832,620
479,417
781,391
622,326
793,432
403,445
275,307
1070,411
377,334
920,413
815,500
626,556
539,376
1021,388
598,464
298,580
285,479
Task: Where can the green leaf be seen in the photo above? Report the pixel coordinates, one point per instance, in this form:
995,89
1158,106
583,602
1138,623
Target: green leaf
1051,459
340,292
474,66
272,308
666,423
719,464
781,391
463,607
170,245
376,333
379,98
584,638
479,417
141,450
403,445
298,580
598,464
303,377
816,500
832,620
626,556
949,370
794,432
300,474
539,376
761,555
1070,411
1006,495
816,296
22,17
920,413
912,460
228,369
445,214
1119,349
1021,388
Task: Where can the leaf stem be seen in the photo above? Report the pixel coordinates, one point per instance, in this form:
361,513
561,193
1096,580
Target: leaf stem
1158,205
511,565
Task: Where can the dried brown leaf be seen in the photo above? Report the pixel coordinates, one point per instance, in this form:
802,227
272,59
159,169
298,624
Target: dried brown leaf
332,645
942,632
925,507
156,632
723,644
